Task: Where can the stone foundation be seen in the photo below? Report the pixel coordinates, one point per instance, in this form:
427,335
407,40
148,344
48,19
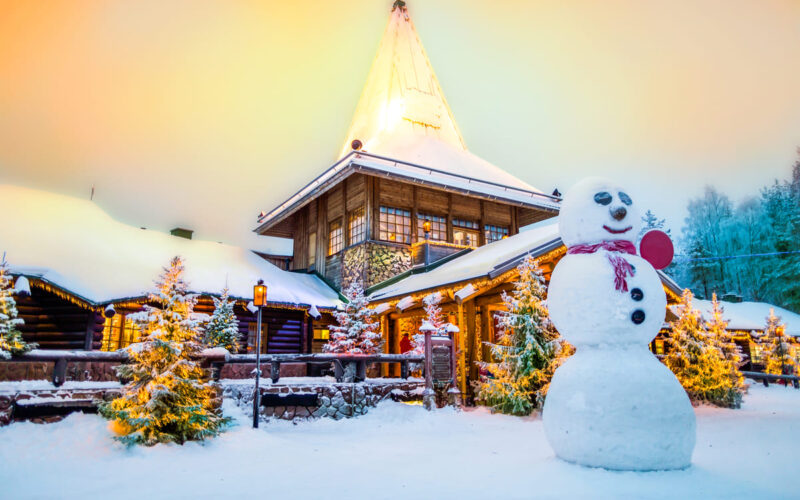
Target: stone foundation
97,371
42,391
333,400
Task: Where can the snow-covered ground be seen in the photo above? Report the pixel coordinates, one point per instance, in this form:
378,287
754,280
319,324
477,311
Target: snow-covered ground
397,451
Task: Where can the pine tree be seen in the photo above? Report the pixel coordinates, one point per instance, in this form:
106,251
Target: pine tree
700,366
778,353
528,351
11,341
222,329
650,222
357,331
433,316
717,332
168,398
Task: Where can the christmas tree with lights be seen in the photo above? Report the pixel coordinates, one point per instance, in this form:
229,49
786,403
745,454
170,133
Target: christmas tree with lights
11,342
699,365
222,329
720,337
778,352
528,351
357,331
169,397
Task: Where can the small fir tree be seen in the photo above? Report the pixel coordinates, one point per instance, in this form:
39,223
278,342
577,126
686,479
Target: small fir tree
717,332
168,398
357,331
433,316
528,352
222,329
698,364
11,342
778,352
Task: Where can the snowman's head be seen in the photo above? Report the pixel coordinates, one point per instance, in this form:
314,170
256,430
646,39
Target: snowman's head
596,210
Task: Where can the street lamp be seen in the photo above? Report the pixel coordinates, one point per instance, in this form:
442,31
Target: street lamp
259,301
426,227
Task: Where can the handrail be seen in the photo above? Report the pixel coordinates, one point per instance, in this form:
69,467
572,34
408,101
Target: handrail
213,358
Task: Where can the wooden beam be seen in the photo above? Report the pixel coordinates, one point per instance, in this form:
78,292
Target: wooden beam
91,321
470,371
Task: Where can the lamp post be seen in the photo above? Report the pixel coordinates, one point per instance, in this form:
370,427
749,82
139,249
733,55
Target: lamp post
426,227
259,300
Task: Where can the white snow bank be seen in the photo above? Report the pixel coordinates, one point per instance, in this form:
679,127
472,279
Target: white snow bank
75,245
750,315
747,453
46,385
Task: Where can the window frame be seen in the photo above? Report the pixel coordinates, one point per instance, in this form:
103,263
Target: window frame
360,226
491,230
467,227
438,226
335,241
400,217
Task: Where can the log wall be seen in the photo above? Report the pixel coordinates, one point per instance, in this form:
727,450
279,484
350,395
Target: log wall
56,323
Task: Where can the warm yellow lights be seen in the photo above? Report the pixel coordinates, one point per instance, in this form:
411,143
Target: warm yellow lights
260,294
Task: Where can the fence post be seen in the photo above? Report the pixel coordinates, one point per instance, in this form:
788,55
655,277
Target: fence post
404,369
275,371
59,372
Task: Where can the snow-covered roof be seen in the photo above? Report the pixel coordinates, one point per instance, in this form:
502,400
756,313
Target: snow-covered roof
73,244
486,261
750,315
408,132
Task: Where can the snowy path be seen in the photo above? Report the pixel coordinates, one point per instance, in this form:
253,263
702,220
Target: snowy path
399,451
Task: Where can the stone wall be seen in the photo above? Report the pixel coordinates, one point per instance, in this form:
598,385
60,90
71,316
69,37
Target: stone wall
386,261
333,400
39,392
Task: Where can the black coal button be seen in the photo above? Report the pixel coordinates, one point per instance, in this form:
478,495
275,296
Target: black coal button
637,294
637,317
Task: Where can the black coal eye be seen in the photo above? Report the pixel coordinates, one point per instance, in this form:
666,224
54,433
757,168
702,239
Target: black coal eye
637,294
603,198
624,198
637,317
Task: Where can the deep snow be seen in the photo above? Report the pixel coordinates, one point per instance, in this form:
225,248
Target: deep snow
396,451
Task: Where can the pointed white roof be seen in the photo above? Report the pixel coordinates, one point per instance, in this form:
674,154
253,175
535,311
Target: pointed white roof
403,114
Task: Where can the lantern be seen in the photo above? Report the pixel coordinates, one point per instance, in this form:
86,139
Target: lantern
260,294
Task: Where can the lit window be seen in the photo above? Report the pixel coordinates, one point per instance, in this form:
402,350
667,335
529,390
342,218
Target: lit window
659,343
465,233
494,233
438,227
756,353
335,240
356,226
322,334
395,225
119,332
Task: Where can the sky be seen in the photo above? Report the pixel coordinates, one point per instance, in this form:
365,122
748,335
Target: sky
200,113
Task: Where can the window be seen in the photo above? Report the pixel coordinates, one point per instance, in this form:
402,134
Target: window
494,233
756,353
465,232
356,226
322,334
659,346
335,240
395,225
119,332
438,227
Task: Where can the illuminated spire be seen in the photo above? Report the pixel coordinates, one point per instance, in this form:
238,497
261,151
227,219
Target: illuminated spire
402,99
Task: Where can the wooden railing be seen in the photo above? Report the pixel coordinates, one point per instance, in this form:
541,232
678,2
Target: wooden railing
766,378
215,360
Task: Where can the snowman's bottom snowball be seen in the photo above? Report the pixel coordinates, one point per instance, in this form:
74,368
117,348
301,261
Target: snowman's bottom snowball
619,408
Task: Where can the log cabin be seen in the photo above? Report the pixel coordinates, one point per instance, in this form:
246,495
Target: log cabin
404,177
86,272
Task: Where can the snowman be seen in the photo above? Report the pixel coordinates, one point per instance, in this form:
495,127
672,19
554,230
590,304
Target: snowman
612,404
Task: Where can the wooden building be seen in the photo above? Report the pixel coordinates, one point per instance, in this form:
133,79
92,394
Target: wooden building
404,163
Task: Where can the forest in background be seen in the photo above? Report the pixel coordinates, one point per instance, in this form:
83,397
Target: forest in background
748,250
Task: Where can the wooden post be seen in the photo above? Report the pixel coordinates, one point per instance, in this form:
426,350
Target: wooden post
275,371
404,369
60,372
470,371
90,325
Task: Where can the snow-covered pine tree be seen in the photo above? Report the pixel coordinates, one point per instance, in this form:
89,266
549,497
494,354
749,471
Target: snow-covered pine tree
528,351
11,342
357,331
433,316
700,367
169,397
717,332
650,222
778,353
222,329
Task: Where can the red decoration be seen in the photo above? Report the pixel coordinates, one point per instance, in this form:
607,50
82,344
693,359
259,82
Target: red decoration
656,248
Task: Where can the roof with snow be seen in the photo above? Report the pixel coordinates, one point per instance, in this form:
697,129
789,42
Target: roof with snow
74,245
407,131
750,315
488,261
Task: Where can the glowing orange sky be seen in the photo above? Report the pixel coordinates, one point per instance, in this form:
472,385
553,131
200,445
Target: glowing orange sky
199,113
